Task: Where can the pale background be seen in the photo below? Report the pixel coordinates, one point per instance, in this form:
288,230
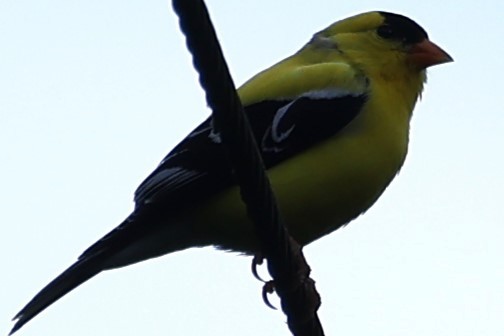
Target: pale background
94,93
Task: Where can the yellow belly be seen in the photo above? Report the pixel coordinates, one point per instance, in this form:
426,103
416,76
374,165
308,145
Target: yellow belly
327,187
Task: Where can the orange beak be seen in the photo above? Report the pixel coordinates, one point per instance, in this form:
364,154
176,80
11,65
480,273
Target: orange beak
425,54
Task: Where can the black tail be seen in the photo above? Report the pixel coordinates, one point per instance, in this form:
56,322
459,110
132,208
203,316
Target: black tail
75,275
99,257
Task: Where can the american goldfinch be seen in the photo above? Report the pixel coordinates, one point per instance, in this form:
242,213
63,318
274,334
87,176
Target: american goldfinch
332,124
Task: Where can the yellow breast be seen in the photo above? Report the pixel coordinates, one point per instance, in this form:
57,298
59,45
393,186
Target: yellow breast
322,188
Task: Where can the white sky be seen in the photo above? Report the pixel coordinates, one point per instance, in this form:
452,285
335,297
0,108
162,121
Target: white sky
93,94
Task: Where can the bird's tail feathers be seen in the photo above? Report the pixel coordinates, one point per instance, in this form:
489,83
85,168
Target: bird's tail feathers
75,275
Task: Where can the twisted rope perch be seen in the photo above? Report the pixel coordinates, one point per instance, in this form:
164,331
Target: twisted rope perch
286,263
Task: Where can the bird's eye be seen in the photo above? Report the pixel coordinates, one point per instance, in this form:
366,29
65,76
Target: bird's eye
386,32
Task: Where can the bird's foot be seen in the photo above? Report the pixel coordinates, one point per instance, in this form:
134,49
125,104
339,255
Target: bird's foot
269,286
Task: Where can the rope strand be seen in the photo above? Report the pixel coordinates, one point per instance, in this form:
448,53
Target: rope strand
286,263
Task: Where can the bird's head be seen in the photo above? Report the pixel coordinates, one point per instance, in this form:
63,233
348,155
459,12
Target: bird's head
382,43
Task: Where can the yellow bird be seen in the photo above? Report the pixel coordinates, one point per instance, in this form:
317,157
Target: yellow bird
332,124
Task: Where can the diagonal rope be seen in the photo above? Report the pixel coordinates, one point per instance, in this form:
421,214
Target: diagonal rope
286,262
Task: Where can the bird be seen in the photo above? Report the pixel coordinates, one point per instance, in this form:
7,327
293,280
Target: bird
332,125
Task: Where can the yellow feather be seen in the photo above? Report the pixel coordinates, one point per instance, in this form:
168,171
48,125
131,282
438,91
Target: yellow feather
329,185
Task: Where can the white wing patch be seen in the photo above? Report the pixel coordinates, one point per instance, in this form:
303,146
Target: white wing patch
198,132
275,134
278,136
213,135
330,93
171,156
170,178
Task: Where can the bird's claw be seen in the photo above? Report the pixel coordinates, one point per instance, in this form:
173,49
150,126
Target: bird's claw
268,288
257,260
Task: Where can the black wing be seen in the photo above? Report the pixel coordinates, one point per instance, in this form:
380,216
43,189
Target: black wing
199,166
